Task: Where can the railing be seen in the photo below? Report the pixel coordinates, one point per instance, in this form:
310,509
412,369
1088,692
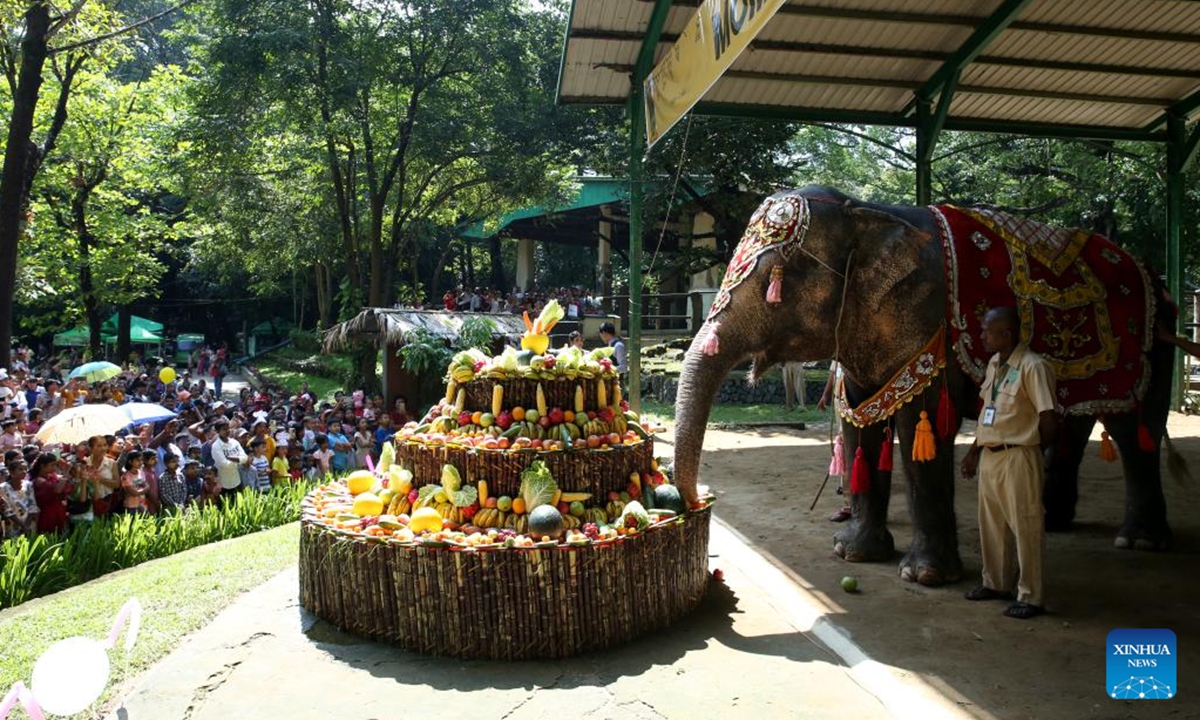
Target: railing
664,313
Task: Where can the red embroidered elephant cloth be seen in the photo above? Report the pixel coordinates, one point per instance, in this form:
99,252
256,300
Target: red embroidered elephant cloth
1086,305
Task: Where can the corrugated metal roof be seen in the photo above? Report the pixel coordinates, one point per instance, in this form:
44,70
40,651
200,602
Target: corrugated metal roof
1119,64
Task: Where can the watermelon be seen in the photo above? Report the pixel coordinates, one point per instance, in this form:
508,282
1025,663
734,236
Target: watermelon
668,498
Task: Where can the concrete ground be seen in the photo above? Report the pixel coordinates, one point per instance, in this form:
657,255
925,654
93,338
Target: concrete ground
760,646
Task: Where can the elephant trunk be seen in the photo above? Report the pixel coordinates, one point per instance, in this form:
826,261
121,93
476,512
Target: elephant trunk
699,382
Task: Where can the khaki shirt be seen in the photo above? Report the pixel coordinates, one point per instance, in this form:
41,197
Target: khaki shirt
1025,390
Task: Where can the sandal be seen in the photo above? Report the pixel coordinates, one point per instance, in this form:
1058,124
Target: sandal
1024,611
987,593
841,515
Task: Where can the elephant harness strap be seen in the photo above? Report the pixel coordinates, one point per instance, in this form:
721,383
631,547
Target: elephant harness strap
909,382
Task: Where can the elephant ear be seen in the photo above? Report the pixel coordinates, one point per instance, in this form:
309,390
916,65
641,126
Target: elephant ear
888,249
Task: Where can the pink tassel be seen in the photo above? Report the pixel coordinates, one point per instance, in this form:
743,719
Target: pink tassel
860,476
712,344
775,288
837,463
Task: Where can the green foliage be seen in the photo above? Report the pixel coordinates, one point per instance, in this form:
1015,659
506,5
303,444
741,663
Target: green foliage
44,564
424,352
476,332
305,340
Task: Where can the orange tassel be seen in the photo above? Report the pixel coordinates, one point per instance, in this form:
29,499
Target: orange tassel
885,452
860,474
924,446
1145,442
947,416
1108,449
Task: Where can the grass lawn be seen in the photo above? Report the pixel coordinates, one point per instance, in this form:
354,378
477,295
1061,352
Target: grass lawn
739,414
179,594
292,380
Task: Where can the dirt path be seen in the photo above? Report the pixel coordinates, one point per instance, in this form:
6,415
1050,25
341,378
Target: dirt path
1051,667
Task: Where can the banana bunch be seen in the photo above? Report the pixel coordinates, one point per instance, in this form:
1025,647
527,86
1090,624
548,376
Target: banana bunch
519,523
399,506
595,427
595,515
620,425
473,430
570,522
525,429
450,512
461,372
614,509
490,518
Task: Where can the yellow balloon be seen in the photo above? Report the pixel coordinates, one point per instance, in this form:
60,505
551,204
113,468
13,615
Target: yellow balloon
167,375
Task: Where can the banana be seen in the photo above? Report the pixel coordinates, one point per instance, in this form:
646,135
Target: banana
460,401
601,394
483,492
445,510
615,508
405,507
451,390
497,399
569,497
595,515
620,425
570,522
578,399
541,400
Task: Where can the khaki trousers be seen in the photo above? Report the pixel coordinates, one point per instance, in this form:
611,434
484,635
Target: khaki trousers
1011,529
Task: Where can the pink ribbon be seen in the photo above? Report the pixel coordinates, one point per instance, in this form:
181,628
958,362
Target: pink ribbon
18,692
131,612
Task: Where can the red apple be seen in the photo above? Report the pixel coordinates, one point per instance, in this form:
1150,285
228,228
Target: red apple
614,496
491,502
544,421
504,420
564,508
537,443
591,414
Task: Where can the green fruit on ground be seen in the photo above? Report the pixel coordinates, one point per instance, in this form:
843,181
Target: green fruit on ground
504,503
668,498
577,509
849,584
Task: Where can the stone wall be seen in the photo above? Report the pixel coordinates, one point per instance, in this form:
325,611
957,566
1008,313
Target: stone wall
734,390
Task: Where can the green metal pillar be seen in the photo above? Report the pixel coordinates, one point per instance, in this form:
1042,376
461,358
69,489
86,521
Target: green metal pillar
925,141
637,189
1176,162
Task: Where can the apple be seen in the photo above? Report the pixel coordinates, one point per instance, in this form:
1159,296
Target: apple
464,418
544,421
593,441
491,502
614,439
613,496
591,414
633,491
564,508
536,443
549,361
504,420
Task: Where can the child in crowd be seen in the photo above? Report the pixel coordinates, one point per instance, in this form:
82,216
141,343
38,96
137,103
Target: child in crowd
172,490
192,480
211,493
294,472
134,484
279,466
261,465
323,456
150,474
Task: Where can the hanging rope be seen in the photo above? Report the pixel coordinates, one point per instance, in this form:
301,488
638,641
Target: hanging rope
687,131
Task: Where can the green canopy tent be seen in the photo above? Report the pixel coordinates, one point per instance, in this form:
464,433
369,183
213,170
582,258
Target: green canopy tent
139,327
78,337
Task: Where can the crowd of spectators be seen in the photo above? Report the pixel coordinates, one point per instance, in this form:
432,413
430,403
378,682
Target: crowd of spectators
214,447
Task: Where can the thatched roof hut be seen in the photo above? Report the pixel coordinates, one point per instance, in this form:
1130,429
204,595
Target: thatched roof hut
390,327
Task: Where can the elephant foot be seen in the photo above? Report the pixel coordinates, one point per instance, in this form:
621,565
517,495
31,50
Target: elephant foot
925,567
1139,537
858,543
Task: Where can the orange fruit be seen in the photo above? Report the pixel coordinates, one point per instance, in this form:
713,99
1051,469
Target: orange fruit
518,414
476,417
569,416
518,506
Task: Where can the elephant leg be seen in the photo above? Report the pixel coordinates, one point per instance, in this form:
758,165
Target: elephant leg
932,558
1145,525
865,538
1062,472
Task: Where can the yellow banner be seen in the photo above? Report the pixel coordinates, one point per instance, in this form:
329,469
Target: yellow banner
714,37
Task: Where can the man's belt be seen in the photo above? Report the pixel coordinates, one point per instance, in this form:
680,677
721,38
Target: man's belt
1001,448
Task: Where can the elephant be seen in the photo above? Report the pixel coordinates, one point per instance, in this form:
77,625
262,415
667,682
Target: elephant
820,275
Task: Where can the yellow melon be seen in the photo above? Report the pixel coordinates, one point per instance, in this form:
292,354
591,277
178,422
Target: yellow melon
360,481
424,519
367,504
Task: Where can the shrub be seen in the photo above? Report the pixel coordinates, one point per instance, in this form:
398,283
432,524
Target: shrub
44,564
305,340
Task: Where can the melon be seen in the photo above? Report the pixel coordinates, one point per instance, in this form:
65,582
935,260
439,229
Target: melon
360,481
426,518
546,520
367,504
668,498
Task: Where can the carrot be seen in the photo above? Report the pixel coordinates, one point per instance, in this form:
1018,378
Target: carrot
528,324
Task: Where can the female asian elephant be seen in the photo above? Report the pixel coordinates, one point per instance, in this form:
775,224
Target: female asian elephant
879,288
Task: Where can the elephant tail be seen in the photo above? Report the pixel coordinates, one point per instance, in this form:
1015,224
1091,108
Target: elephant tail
1176,465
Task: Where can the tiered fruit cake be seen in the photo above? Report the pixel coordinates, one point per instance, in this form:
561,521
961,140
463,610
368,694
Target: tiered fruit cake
525,516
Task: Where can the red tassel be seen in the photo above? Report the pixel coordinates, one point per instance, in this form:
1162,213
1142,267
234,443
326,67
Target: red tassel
860,475
947,416
1145,442
885,453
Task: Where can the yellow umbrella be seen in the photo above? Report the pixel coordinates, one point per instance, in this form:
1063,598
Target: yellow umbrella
76,424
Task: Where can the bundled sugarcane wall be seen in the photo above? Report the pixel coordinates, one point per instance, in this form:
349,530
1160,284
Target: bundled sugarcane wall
506,604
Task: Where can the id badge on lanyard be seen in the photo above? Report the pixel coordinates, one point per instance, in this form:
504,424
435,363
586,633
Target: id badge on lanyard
1002,376
989,416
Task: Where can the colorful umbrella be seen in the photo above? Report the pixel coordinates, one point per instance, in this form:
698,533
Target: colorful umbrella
140,412
76,424
95,372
